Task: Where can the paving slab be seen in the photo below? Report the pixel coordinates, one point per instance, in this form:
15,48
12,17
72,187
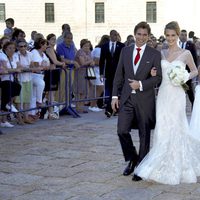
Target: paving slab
74,159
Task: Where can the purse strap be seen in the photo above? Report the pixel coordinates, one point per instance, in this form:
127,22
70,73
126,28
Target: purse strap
14,74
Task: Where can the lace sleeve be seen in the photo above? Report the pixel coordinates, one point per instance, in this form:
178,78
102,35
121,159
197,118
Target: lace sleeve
163,52
190,63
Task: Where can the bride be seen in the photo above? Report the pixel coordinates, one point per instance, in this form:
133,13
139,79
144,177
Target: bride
175,155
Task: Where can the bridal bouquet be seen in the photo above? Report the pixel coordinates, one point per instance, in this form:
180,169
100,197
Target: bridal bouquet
178,76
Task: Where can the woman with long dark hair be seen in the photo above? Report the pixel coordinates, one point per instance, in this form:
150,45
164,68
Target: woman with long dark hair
52,76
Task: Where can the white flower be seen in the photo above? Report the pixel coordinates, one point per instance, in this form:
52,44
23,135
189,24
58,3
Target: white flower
178,75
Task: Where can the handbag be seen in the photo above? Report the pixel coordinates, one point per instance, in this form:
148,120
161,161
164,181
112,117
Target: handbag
90,73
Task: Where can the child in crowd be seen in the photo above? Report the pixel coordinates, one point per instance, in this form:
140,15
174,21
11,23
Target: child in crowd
9,27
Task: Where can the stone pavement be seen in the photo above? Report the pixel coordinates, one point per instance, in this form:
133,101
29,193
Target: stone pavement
74,159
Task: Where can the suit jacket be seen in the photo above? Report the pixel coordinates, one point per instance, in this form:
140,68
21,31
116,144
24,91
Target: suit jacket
145,99
107,62
191,47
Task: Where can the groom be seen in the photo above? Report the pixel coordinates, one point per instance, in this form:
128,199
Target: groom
133,94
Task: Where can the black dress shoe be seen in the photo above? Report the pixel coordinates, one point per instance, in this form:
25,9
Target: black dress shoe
108,114
136,178
130,168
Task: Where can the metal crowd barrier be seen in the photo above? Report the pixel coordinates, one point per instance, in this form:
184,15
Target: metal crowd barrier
72,89
69,90
50,103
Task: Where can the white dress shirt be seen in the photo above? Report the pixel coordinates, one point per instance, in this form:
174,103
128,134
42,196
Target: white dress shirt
135,67
183,45
110,45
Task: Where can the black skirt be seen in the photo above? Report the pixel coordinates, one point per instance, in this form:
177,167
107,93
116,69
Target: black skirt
52,79
9,89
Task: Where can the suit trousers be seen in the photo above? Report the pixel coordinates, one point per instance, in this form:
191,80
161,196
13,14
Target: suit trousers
190,92
130,113
108,92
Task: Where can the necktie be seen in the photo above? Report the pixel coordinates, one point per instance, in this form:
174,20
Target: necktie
112,49
182,46
137,57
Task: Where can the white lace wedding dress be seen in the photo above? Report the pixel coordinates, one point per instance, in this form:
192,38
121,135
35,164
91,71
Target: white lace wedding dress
175,154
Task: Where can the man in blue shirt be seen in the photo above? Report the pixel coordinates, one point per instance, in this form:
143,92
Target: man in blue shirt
67,52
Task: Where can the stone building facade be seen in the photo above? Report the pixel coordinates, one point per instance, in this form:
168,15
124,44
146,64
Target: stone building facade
93,18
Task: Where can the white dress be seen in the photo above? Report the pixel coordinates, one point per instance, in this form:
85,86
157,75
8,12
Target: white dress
96,52
175,155
195,116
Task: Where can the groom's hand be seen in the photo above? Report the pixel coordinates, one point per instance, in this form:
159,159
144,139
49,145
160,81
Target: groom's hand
115,104
134,84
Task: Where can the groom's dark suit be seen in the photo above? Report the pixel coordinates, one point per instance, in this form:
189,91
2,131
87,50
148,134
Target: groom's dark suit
136,108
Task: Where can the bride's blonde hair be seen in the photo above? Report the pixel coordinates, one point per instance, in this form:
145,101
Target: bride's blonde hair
173,26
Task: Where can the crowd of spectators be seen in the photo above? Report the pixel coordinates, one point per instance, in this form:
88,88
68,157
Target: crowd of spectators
32,75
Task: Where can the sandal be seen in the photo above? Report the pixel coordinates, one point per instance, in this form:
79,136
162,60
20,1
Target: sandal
20,119
53,116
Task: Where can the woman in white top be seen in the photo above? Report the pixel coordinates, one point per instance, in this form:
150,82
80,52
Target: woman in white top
96,52
25,78
9,87
41,62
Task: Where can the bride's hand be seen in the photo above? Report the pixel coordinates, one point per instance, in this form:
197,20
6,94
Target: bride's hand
153,71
